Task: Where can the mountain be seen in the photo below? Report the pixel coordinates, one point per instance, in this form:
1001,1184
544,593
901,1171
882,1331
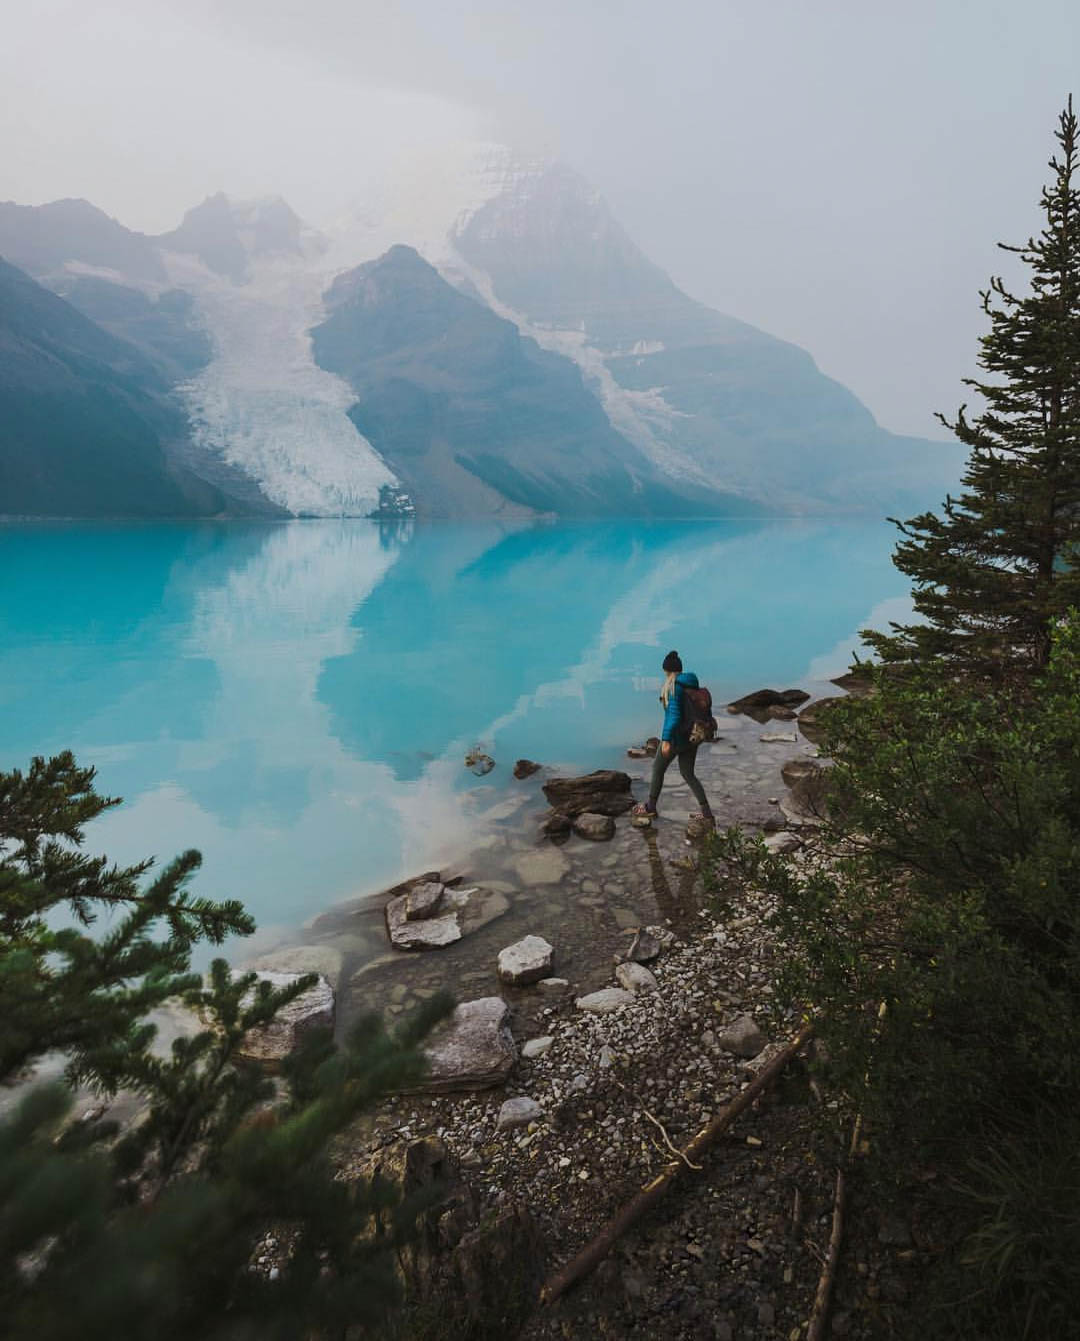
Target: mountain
705,395
42,239
228,235
470,414
520,355
86,425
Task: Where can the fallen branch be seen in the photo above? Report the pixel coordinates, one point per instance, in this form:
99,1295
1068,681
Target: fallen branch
601,1243
819,1314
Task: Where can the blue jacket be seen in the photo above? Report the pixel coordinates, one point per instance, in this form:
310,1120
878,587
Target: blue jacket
673,716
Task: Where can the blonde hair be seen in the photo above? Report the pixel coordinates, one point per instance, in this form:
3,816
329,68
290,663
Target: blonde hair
668,688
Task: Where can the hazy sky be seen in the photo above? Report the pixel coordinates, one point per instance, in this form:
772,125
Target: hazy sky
834,171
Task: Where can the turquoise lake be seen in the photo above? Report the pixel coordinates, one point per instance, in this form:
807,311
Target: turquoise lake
296,699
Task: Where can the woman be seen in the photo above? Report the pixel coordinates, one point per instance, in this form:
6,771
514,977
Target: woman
674,741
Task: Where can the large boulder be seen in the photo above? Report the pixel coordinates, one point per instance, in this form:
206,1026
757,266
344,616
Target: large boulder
605,792
473,1049
757,704
271,1043
527,960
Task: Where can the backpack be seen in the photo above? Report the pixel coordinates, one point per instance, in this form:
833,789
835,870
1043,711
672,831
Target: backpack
698,716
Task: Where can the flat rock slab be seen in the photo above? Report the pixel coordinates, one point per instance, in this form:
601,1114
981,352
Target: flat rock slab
742,1037
473,1049
461,912
598,828
605,792
518,1113
546,866
272,1042
635,977
527,960
779,738
605,1002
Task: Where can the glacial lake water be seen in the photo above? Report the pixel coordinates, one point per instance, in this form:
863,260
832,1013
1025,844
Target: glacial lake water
296,699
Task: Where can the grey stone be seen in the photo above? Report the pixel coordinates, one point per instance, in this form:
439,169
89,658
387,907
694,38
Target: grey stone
604,1002
778,738
473,1049
607,1058
598,828
429,934
270,1043
423,900
536,1047
742,1037
518,1113
783,842
643,948
554,986
527,960
635,977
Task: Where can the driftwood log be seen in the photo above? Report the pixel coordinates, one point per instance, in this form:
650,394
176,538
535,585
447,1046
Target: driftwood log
601,1243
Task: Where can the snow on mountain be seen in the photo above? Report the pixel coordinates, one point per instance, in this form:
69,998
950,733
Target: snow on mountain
262,404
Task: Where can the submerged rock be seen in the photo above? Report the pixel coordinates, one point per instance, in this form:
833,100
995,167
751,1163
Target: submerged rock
473,1049
459,912
271,1043
557,826
598,828
605,792
544,867
525,768
526,961
479,762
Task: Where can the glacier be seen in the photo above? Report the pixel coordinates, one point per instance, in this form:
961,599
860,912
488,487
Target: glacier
262,404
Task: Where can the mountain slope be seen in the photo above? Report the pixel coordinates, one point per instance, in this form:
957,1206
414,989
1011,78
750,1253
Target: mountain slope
41,239
453,397
702,393
86,428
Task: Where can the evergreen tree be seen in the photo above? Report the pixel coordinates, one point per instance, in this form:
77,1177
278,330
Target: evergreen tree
996,570
150,1233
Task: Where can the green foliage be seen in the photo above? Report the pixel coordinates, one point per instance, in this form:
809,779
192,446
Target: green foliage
995,570
946,885
150,1234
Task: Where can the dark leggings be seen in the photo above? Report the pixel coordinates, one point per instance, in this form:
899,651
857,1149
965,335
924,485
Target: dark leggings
686,755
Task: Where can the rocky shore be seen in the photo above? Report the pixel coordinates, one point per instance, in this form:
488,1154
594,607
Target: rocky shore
610,1008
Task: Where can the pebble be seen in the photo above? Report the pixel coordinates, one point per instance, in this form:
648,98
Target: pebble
604,1002
536,1047
518,1113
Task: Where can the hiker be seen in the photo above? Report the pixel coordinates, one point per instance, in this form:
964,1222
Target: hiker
676,741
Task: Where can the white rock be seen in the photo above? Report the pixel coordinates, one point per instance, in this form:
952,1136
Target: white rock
778,738
783,842
527,960
536,1047
473,1049
430,933
519,1113
742,1037
604,1002
635,977
270,1043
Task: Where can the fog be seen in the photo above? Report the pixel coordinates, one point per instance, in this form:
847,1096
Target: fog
836,173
